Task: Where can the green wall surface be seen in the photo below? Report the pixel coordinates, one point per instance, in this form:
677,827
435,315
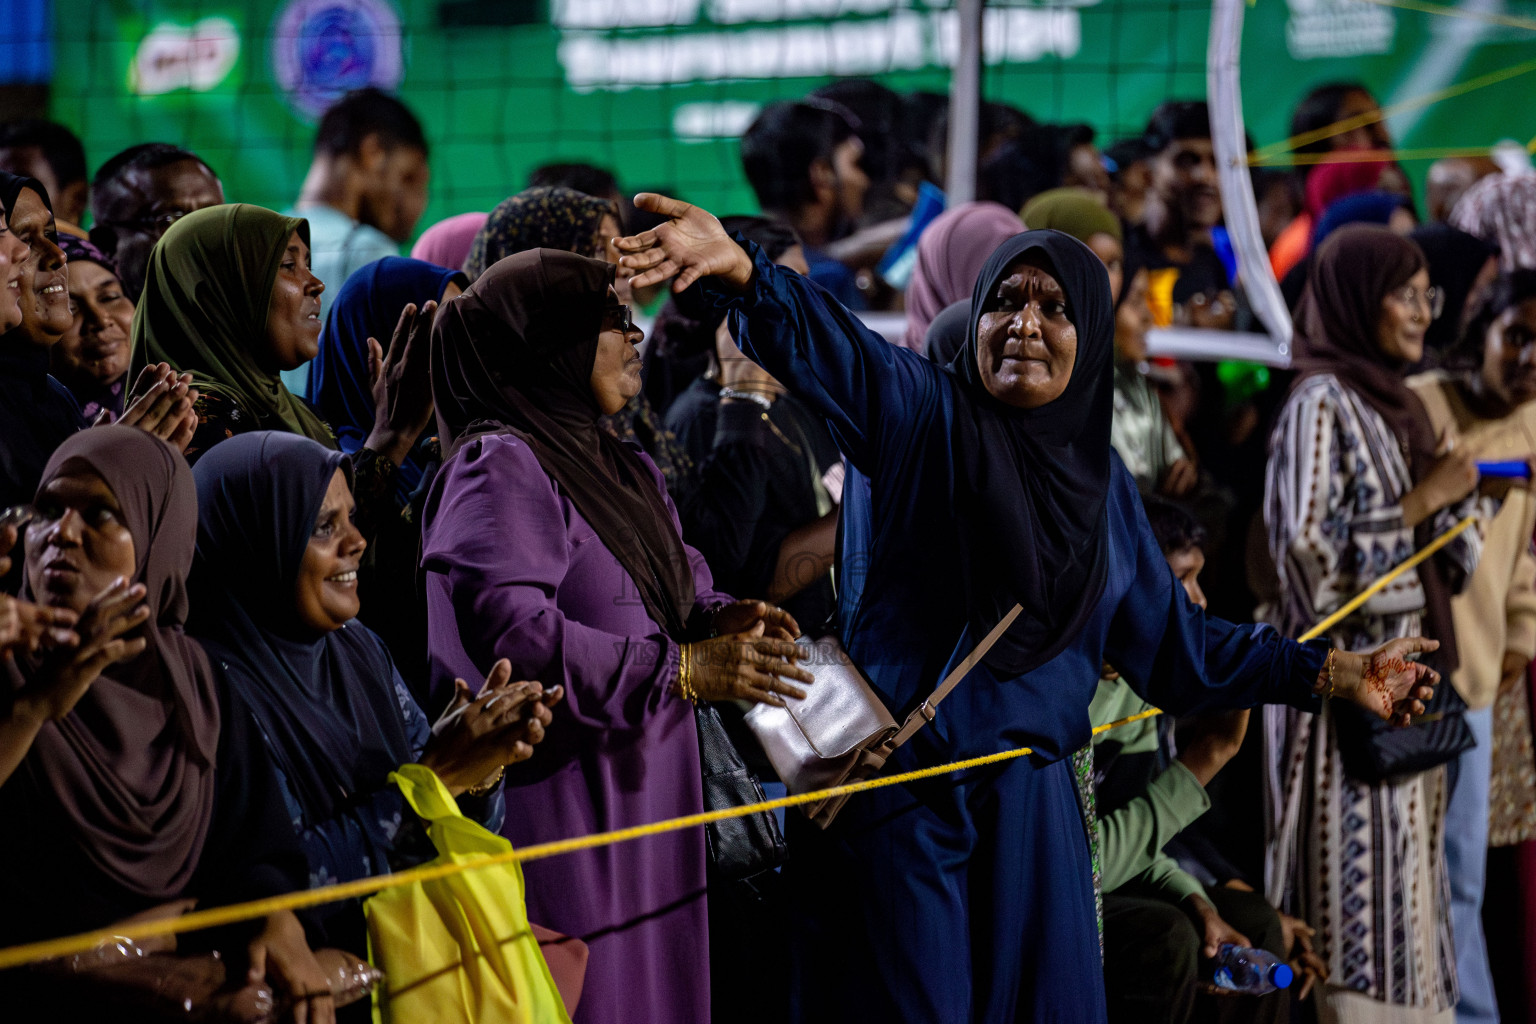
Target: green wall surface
659,89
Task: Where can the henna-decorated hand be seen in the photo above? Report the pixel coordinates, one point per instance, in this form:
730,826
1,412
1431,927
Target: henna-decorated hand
1384,682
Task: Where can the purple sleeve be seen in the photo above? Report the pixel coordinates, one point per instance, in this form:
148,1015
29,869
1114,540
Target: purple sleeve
498,534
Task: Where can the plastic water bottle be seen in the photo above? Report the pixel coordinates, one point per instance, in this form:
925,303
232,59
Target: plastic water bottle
1250,970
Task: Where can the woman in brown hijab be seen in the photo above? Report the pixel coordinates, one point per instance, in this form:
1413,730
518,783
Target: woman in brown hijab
1355,484
129,789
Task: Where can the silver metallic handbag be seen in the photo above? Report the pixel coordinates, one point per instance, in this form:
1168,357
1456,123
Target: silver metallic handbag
841,731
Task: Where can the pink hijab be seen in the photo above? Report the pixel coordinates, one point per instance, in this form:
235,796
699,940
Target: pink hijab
447,242
949,256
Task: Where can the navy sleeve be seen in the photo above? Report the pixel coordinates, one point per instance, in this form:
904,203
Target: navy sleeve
1184,661
870,391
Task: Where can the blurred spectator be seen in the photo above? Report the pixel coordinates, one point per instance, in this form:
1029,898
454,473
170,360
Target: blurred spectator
447,242
1463,267
1448,180
1484,398
1130,177
1326,106
804,164
364,192
54,155
1279,198
91,359
1188,281
892,157
1501,210
139,193
547,217
949,256
1082,213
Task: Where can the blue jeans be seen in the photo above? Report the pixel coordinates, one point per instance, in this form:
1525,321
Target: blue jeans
1466,858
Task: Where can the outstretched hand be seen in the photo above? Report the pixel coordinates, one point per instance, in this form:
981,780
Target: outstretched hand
690,245
1384,682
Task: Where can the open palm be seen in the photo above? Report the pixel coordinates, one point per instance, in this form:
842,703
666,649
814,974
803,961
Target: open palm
690,245
1389,685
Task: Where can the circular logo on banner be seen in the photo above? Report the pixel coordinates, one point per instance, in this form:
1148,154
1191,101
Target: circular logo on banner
323,49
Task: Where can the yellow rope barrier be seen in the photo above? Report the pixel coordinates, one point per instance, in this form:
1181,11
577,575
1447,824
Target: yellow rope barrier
1268,154
1486,17
216,917
1357,156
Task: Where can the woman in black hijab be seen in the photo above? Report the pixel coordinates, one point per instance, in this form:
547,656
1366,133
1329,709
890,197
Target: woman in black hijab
277,602
972,487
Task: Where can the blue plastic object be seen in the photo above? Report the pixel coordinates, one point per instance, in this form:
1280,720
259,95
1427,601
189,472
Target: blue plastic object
1510,469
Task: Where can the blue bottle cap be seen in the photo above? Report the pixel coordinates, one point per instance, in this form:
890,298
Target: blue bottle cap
1282,975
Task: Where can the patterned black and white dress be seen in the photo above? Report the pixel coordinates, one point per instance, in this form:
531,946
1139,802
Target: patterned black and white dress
1364,864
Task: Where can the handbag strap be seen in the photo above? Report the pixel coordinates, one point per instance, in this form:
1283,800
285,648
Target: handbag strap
928,709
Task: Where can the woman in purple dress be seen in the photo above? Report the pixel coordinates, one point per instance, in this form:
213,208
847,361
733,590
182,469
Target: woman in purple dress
552,544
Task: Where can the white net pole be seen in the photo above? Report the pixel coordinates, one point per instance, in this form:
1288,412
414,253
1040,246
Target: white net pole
965,106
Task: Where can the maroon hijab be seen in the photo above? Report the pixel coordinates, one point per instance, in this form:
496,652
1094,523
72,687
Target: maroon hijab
131,769
1336,322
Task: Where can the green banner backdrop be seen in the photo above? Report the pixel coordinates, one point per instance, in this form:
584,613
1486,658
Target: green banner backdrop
659,89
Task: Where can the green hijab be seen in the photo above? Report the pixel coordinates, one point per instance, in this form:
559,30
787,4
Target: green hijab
204,310
1076,211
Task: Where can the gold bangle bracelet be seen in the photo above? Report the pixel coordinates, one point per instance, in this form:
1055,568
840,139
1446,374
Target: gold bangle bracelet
685,673
1332,660
486,787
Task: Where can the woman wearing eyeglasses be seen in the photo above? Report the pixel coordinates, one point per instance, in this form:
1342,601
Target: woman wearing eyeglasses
1357,480
551,543
1484,391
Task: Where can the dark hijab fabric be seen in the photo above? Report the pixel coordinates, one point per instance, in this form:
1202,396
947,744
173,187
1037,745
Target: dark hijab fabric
1336,332
204,309
540,218
368,306
1360,208
514,354
1037,479
36,411
327,703
1455,259
131,769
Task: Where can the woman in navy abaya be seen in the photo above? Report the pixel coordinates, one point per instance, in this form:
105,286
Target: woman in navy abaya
971,487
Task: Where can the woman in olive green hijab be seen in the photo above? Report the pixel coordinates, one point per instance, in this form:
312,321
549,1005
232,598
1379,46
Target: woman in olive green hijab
228,295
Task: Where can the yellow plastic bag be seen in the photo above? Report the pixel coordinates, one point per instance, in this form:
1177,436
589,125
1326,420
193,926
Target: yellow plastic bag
457,948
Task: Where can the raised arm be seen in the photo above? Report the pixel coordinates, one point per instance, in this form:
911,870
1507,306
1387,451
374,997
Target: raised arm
870,391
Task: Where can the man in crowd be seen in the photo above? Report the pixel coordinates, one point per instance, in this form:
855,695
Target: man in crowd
139,193
1183,204
803,162
364,192
54,155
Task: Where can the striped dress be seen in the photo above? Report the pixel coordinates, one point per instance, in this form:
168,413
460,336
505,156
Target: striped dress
1364,864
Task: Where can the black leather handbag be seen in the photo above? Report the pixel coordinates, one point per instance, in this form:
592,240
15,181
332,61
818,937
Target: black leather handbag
1373,750
738,847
